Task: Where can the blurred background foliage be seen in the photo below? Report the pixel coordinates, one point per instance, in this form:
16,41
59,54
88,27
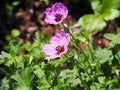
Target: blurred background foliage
19,19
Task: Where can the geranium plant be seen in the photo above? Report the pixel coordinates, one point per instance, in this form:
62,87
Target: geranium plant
59,62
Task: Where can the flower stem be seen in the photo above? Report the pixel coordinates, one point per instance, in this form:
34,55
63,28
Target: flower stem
91,53
77,45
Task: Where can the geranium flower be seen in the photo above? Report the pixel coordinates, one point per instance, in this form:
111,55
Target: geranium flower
58,45
56,14
60,35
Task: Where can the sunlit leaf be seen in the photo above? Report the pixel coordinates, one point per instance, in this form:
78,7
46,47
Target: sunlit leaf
15,32
23,80
111,14
4,84
115,38
109,4
103,55
43,84
14,47
6,58
92,22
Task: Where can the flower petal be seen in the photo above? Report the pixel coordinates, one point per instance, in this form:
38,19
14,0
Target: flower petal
58,9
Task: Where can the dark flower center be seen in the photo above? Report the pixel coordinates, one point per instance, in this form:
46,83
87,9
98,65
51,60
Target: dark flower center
59,49
58,17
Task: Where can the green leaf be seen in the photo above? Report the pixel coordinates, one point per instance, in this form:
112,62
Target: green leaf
115,39
109,36
58,62
23,80
46,1
14,47
8,37
4,84
118,30
6,58
60,85
36,51
104,10
42,82
92,22
101,80
110,14
43,85
70,76
39,72
16,3
15,33
96,6
27,46
110,4
103,56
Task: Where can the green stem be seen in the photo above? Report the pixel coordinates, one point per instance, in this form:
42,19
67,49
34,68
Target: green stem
77,45
15,62
91,53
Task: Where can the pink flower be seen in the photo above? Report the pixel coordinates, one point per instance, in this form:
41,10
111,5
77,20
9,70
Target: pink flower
56,14
60,35
58,45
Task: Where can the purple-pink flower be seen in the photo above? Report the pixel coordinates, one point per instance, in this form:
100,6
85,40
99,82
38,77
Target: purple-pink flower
56,14
62,34
58,45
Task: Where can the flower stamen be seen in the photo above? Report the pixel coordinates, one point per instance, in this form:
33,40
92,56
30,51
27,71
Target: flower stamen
59,49
58,17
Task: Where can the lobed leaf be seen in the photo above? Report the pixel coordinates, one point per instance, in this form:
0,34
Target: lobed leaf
23,80
103,55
